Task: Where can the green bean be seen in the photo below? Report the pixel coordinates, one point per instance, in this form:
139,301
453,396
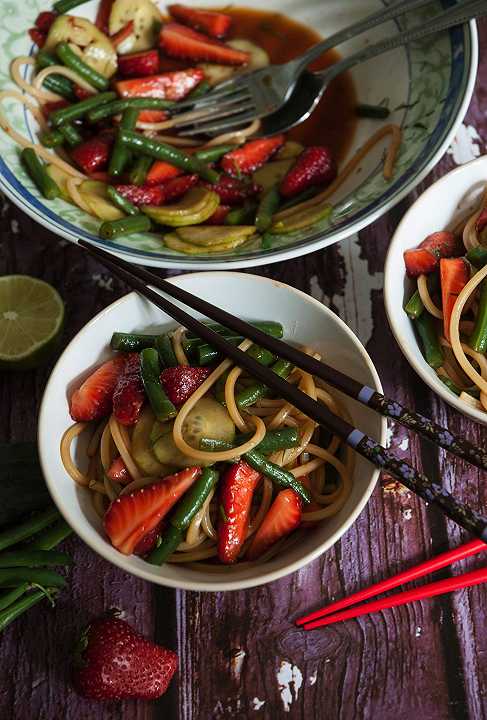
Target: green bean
426,328
478,338
136,104
120,202
274,440
60,85
477,256
45,60
11,577
166,351
161,406
10,596
29,527
64,6
281,477
19,607
51,139
450,384
161,151
170,540
193,500
213,154
200,90
219,387
375,112
250,395
37,171
73,61
268,205
414,306
51,536
267,241
139,171
111,229
131,342
244,215
120,155
79,109
70,134
33,558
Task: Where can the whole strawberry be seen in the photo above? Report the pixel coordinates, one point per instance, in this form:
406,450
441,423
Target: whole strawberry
114,662
181,381
315,166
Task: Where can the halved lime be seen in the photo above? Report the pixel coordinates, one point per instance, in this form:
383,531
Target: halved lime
31,321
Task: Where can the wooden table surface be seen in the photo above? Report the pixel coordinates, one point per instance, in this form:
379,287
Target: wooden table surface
240,657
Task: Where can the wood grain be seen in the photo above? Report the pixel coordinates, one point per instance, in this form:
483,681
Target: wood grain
240,655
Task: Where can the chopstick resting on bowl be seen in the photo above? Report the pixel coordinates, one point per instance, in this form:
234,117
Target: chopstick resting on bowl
364,445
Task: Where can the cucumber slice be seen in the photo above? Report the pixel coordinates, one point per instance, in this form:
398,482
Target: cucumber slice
142,446
94,194
195,207
207,235
301,219
174,242
146,17
93,46
207,419
272,173
60,178
215,73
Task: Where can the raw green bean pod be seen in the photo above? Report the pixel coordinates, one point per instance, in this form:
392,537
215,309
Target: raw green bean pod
13,611
111,229
121,203
161,406
73,61
193,500
138,172
279,476
426,328
38,174
131,342
79,109
170,540
120,155
11,577
213,154
250,395
29,527
70,134
27,557
120,106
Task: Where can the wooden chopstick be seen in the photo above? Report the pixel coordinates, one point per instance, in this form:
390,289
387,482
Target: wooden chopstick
364,394
355,438
436,563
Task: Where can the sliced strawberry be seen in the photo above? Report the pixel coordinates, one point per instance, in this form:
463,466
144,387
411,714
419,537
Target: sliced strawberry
443,244
139,64
37,36
148,542
118,472
481,222
142,194
49,107
166,86
283,516
44,20
454,275
233,191
93,400
218,217
130,517
215,24
129,395
420,262
92,154
251,156
103,15
182,42
81,93
181,381
124,37
179,186
162,171
315,166
236,491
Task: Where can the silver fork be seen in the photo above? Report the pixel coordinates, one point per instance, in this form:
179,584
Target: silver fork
263,92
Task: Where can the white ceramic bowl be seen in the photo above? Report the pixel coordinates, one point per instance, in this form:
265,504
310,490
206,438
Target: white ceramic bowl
304,319
427,85
438,208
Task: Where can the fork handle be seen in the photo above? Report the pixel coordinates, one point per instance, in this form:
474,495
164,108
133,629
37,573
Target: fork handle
351,31
454,16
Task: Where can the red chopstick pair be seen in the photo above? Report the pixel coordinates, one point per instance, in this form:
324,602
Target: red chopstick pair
335,612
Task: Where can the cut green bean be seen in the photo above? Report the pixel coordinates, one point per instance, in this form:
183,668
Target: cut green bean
426,328
60,85
414,306
279,476
120,106
18,608
273,441
268,205
213,154
478,338
202,89
38,173
166,351
477,256
141,167
45,60
374,112
111,229
73,61
33,558
120,202
170,540
29,527
11,577
51,139
250,395
51,536
131,342
150,371
193,500
120,155
64,6
70,134
243,215
79,109
161,151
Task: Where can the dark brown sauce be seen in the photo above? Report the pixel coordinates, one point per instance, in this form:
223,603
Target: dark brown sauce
333,122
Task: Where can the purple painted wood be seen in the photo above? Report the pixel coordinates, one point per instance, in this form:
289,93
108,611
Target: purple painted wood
240,655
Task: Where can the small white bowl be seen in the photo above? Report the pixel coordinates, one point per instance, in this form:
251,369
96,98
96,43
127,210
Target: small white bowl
440,207
305,320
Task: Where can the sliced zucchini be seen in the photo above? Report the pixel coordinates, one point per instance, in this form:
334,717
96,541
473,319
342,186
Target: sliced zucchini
272,172
174,242
215,73
93,46
95,196
195,207
142,446
60,178
207,235
301,219
146,17
207,419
